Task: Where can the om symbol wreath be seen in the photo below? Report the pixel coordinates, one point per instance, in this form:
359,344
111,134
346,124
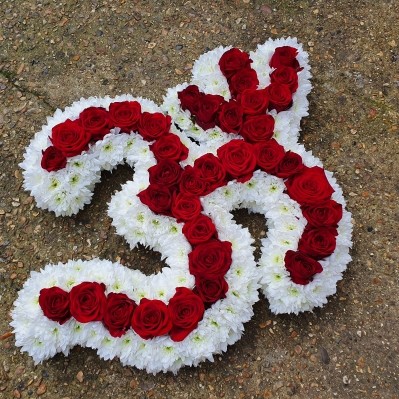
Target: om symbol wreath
227,140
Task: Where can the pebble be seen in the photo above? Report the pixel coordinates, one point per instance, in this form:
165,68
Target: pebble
298,350
314,384
265,9
324,355
361,362
20,108
134,384
80,376
265,324
20,69
41,389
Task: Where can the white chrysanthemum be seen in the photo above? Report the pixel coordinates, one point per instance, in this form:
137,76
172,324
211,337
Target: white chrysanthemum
208,76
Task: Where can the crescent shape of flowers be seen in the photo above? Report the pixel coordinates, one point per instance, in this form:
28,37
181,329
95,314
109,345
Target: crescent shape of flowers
226,140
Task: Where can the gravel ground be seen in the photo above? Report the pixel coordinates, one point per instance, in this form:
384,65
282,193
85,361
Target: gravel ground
54,52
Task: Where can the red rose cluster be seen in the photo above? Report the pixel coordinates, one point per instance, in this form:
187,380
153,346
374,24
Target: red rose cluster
311,189
71,138
245,112
87,302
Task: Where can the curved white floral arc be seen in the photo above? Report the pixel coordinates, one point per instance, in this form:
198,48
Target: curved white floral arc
66,191
264,194
222,324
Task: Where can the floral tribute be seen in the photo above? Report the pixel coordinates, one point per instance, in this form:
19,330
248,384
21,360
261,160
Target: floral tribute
226,140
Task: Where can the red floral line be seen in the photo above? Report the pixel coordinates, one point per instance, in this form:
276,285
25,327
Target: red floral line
87,302
71,138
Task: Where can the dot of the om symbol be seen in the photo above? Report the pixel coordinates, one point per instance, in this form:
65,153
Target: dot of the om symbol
228,140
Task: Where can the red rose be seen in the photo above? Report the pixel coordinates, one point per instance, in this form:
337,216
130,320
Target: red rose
280,97
285,56
258,128
191,182
211,170
186,207
318,242
210,260
232,61
211,290
289,165
125,115
327,213
244,79
238,159
309,187
53,159
158,198
165,173
253,102
199,230
169,147
118,313
186,309
302,268
286,76
230,117
95,120
153,126
189,98
70,138
268,155
55,304
88,302
151,319
207,109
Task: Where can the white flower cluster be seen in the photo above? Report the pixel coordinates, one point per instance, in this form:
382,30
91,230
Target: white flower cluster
66,191
210,80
